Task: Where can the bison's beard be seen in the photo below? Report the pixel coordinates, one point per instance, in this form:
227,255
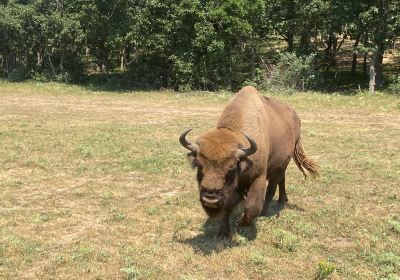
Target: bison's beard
212,212
229,200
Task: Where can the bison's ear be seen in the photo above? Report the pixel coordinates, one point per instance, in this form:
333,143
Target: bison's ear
192,159
245,165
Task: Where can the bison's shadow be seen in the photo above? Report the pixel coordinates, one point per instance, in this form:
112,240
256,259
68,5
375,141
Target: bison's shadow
208,243
274,209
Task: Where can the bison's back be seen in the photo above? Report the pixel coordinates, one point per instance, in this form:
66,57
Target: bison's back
272,124
246,113
283,128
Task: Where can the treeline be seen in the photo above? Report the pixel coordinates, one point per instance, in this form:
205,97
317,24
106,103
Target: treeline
193,44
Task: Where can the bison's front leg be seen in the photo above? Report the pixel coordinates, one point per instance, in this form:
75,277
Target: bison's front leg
224,229
229,205
254,203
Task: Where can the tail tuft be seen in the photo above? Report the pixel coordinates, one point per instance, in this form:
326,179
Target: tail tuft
303,162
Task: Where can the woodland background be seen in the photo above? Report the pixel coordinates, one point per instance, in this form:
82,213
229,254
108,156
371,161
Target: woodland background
202,45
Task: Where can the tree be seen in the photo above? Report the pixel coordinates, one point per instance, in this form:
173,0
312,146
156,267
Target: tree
186,44
376,19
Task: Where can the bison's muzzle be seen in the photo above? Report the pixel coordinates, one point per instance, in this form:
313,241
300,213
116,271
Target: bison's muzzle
211,198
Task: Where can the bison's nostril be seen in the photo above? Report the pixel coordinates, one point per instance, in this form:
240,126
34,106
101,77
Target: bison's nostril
210,195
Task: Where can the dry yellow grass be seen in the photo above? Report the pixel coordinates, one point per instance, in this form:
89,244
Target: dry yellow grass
95,185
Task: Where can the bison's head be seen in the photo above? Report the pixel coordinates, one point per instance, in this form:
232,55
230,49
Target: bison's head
220,159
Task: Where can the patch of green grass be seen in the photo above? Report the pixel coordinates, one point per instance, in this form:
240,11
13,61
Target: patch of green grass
103,256
258,262
257,259
388,259
153,210
285,241
325,270
388,263
18,246
84,149
82,255
116,215
41,218
332,175
2,250
304,229
13,183
368,164
131,271
395,226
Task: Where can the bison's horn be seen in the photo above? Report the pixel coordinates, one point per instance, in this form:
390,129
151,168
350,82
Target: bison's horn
191,147
242,153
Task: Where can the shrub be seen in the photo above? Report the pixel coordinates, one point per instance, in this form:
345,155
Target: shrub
18,74
325,270
395,226
39,76
181,73
394,87
290,71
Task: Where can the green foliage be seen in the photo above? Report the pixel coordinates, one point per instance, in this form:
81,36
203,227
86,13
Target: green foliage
395,226
394,87
131,272
290,71
285,240
18,74
43,40
325,270
185,44
391,276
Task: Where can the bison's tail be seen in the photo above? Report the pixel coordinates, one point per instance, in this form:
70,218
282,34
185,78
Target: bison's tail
303,162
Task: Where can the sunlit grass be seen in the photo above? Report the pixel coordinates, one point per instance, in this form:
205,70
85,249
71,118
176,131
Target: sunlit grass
94,185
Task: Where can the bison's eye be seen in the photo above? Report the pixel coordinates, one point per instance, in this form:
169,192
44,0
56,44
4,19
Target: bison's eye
199,175
231,175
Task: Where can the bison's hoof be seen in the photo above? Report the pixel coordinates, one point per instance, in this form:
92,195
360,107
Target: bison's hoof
224,234
283,200
264,213
244,222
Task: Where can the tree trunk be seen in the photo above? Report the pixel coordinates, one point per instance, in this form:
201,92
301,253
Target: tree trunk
290,41
305,43
354,61
290,32
365,55
253,56
6,66
62,63
372,73
335,48
51,65
380,42
39,59
12,61
379,67
328,52
122,54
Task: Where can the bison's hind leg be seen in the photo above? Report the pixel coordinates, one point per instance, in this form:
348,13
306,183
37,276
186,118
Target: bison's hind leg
269,195
278,178
282,192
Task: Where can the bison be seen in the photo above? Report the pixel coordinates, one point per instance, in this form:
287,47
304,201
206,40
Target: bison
252,144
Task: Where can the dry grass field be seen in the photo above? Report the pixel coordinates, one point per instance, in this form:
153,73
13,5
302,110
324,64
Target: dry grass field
94,185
